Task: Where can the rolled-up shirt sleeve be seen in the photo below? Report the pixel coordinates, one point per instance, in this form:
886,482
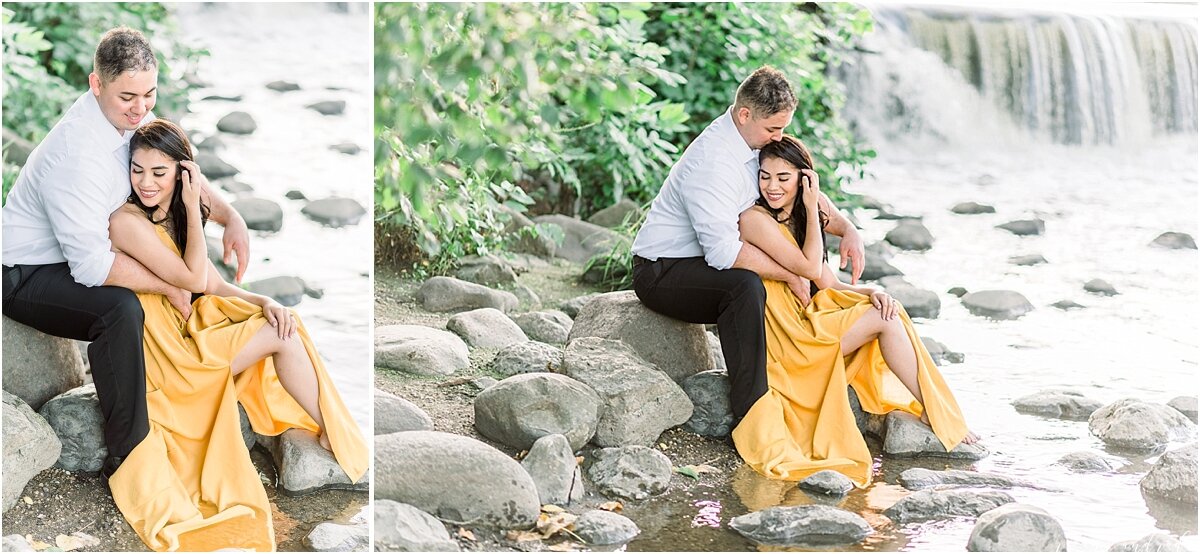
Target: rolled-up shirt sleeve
78,215
711,200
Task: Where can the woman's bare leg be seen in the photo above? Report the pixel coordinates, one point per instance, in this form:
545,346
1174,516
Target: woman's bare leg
295,370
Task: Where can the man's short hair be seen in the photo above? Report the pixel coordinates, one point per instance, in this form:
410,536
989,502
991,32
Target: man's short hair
122,49
766,92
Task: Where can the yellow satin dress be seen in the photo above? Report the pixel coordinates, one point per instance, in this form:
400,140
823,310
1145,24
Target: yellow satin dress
804,424
190,484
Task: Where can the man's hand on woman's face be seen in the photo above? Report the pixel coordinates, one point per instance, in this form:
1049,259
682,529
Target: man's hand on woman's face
851,250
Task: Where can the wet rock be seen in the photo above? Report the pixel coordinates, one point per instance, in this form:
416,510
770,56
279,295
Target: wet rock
555,472
216,253
1185,404
16,148
633,472
14,542
295,195
1101,287
211,144
711,413
639,401
917,302
1175,240
394,414
600,527
1086,462
971,208
1173,476
405,528
549,326
997,304
233,186
918,478
675,347
485,270
1133,424
910,234
445,294
1058,403
305,466
524,408
871,203
927,505
527,297
238,123
224,97
30,446
260,214
420,350
526,357
1017,527
867,423
1154,542
802,525
286,290
827,482
714,348
572,306
214,167
328,107
334,212
1028,259
940,353
887,214
581,240
79,425
617,214
877,268
1024,227
283,86
462,479
347,148
1067,305
248,436
336,537
37,366
957,291
908,437
486,328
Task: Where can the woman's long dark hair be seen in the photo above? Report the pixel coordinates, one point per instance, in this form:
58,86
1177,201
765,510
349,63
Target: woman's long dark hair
791,150
168,138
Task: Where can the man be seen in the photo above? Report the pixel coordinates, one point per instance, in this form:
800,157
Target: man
689,263
61,276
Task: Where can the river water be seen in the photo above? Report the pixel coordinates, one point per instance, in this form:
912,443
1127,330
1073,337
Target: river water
1105,192
325,50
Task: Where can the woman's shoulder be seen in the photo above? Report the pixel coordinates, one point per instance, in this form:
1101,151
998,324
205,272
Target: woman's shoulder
129,216
757,212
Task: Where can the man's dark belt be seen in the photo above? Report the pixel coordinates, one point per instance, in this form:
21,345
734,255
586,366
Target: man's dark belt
638,260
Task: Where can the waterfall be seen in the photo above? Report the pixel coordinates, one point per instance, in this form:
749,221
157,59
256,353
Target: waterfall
957,75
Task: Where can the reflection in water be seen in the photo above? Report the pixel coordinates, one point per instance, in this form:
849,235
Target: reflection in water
708,515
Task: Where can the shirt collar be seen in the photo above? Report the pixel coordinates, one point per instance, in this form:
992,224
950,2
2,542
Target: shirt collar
729,133
109,139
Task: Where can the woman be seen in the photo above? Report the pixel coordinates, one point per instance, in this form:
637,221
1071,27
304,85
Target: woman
846,335
190,484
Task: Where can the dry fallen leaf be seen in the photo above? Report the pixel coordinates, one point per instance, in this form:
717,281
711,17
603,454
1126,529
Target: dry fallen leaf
67,543
565,546
552,509
522,536
465,533
27,500
39,545
579,460
548,524
613,506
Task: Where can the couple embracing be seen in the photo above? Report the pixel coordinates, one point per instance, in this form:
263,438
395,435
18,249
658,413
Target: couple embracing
736,237
104,242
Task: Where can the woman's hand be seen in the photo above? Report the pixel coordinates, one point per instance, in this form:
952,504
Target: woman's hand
280,318
888,308
191,178
810,190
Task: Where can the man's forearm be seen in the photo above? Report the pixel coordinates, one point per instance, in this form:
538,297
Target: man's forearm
838,224
131,274
752,258
219,210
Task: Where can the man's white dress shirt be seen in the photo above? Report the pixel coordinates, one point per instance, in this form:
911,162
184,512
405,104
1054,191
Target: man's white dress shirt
58,209
696,211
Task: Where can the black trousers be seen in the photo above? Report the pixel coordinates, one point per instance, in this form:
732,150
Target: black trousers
48,299
689,289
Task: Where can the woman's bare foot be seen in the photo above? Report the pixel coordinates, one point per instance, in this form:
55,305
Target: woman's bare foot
971,437
324,440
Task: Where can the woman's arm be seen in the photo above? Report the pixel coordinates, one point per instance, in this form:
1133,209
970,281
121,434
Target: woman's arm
133,234
196,253
887,306
277,316
757,227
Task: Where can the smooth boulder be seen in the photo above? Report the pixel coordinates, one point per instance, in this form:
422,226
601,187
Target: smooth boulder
827,482
548,326
420,350
910,234
486,270
213,167
30,446
337,537
1185,404
811,524
334,212
712,415
77,421
1154,542
1058,403
555,472
285,289
1175,241
675,347
601,527
304,466
616,215
526,357
405,528
633,472
486,328
447,294
918,478
1017,527
972,208
1132,424
328,107
260,214
1173,476
238,123
916,302
581,240
907,437
521,409
394,414
1101,287
1027,260
1024,227
997,304
927,505
283,86
37,366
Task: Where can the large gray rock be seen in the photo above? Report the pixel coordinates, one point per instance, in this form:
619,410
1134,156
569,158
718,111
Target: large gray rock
927,505
285,289
1154,542
711,414
486,328
555,472
29,447
1133,424
16,148
600,527
524,236
910,234
827,482
420,350
445,294
972,208
616,215
1185,404
811,524
249,438
405,528
639,402
718,353
877,266
548,326
940,352
1101,287
37,366
908,437
1058,403
461,479
238,123
1086,462
485,270
76,419
260,214
997,304
918,478
677,348
572,306
581,240
1173,476
917,302
213,167
1017,527
633,472
526,357
305,466
528,298
334,212
337,537
394,414
1024,227
328,107
14,542
524,408
1175,240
